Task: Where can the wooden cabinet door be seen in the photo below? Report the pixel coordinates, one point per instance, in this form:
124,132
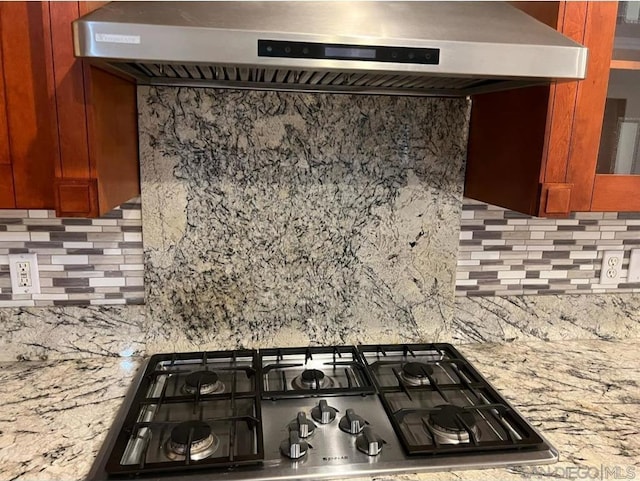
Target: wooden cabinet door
590,103
70,94
97,125
29,100
616,182
68,131
75,187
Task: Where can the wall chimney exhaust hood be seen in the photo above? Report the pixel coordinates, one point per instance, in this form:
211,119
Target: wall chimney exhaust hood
405,48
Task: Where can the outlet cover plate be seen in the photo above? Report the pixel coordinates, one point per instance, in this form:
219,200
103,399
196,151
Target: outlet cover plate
634,266
611,272
16,260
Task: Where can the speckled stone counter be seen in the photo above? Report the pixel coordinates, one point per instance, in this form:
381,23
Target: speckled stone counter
583,395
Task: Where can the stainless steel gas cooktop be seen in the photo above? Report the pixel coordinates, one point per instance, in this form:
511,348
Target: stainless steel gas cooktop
314,413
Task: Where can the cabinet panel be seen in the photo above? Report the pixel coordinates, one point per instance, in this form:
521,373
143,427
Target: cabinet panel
555,199
113,129
4,133
610,192
599,32
76,198
70,95
7,194
506,148
560,121
29,96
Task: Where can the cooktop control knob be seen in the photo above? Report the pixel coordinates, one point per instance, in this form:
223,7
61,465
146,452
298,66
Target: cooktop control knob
352,423
369,442
304,426
294,447
323,413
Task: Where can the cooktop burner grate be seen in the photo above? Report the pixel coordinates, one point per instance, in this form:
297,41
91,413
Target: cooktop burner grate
192,411
313,413
452,409
313,371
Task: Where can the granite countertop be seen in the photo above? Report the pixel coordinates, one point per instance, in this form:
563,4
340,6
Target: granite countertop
583,395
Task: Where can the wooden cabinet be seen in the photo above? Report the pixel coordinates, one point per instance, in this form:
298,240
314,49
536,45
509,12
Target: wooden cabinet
29,100
70,128
536,150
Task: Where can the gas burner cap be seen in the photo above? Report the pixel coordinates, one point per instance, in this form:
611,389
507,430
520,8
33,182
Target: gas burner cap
207,380
448,424
312,379
203,442
415,373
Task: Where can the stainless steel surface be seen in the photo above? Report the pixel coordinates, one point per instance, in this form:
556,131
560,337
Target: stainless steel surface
329,451
483,45
334,454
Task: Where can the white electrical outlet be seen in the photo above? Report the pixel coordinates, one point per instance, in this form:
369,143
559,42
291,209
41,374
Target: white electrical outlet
24,273
634,266
611,272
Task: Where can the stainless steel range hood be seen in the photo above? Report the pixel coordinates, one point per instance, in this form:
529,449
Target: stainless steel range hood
407,48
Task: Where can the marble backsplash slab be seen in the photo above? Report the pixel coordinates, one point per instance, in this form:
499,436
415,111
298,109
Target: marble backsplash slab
123,331
547,318
289,218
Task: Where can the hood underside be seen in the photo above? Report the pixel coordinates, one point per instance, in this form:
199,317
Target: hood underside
406,48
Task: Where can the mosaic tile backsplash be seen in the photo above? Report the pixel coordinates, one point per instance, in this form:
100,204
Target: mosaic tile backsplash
80,261
504,253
